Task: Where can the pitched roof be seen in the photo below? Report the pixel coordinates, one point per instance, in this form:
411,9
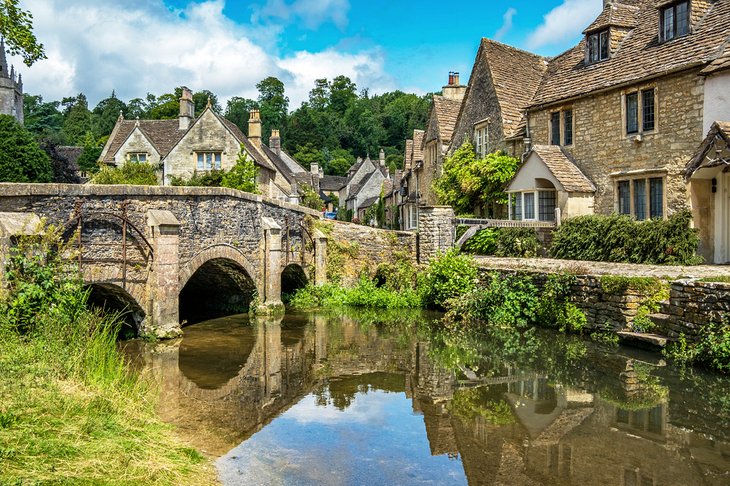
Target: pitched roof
162,134
332,183
447,112
418,136
618,15
516,76
563,168
640,55
719,132
409,154
722,63
368,202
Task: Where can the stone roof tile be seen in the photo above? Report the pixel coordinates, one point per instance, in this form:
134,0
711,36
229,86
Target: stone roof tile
564,169
617,15
162,134
447,112
418,136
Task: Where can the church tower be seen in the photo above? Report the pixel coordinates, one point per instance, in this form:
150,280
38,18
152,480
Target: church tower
11,88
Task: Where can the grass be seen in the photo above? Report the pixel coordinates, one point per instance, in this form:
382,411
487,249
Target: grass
718,279
366,294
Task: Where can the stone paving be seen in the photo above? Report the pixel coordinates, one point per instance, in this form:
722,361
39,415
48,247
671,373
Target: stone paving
603,268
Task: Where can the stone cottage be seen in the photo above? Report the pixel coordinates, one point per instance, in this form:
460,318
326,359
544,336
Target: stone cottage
364,185
189,145
628,107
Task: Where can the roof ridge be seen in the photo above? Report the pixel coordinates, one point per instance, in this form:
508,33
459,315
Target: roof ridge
502,44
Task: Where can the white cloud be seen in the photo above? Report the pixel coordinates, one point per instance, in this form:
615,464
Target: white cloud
564,22
312,13
141,46
506,24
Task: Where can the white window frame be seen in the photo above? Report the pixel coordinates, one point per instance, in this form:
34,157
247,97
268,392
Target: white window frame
203,157
481,139
135,157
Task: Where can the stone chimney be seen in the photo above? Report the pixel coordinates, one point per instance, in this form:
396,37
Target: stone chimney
314,169
187,108
454,90
382,158
254,128
275,142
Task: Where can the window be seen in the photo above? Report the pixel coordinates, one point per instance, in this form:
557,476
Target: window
568,127
209,160
647,110
641,198
546,205
598,46
481,141
640,120
137,157
529,205
555,128
674,21
518,207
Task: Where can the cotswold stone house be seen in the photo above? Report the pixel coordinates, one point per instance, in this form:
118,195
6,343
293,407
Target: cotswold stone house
11,88
627,109
365,183
189,145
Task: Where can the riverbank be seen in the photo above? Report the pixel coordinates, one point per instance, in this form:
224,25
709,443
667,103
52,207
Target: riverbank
71,411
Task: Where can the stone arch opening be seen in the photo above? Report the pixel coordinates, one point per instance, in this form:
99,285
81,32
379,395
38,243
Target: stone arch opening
219,287
293,278
113,299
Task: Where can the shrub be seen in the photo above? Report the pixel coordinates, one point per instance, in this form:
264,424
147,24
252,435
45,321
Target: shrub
242,176
622,239
711,350
517,242
21,158
449,275
484,242
213,178
132,173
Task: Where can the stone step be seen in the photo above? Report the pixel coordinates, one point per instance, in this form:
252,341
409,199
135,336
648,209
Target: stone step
653,342
660,320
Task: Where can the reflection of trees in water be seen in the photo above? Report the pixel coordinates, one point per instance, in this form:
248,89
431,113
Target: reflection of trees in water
340,392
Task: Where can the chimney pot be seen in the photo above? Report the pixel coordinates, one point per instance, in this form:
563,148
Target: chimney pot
275,141
456,79
451,78
254,127
187,108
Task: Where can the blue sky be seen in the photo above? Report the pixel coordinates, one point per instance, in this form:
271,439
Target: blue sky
140,46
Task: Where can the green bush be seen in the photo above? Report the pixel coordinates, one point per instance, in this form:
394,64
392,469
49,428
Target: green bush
484,242
449,275
517,242
21,158
242,176
711,350
213,178
365,294
621,239
131,173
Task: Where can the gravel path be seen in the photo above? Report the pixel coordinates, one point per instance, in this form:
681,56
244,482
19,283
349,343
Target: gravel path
603,268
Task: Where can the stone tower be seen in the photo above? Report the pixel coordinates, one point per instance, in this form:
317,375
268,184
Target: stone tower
11,89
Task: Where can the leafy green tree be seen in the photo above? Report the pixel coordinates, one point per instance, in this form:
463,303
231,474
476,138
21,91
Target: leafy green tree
274,106
166,107
343,93
337,167
308,155
105,115
243,176
77,119
309,198
42,119
16,27
21,158
129,173
238,110
200,99
89,159
319,97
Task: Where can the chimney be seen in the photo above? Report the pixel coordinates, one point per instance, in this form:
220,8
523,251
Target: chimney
275,142
382,158
254,128
454,90
187,108
314,169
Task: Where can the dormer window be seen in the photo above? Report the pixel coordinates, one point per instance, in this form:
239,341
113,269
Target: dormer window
674,21
598,46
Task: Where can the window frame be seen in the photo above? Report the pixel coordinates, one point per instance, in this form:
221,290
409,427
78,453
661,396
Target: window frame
560,121
646,96
673,8
216,160
481,139
649,201
602,48
519,205
136,155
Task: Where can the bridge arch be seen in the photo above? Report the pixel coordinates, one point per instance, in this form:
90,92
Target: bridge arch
293,278
217,282
112,298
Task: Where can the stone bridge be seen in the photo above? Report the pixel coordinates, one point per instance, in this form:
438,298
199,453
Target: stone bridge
171,254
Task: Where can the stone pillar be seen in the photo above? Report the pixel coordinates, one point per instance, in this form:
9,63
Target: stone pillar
272,356
271,300
14,224
320,258
435,231
163,283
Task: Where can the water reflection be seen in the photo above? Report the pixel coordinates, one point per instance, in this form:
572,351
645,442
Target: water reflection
556,411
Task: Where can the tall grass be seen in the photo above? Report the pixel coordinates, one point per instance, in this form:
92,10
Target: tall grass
71,411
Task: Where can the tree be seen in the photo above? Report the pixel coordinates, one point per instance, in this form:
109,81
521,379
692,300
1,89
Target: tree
64,171
343,93
16,27
105,115
308,155
44,120
89,159
166,107
201,98
274,106
131,173
77,119
21,158
238,110
319,97
243,176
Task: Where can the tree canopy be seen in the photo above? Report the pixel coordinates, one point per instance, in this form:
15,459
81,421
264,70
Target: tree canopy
16,27
21,158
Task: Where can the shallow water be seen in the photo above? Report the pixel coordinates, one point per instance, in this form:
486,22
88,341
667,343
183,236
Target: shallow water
379,398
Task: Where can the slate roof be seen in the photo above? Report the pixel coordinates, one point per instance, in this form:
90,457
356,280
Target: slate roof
619,15
640,55
418,136
516,76
719,132
409,153
332,183
368,202
162,134
447,112
563,168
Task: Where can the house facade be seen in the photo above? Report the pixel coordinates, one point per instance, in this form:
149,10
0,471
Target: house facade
628,107
364,185
186,146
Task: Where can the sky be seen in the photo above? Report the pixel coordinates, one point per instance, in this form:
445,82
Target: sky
134,47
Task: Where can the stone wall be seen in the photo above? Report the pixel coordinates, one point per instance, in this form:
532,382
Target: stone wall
692,305
353,249
435,231
601,147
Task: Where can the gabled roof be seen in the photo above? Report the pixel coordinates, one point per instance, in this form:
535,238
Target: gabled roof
409,154
162,134
332,183
722,63
639,56
516,76
368,202
563,168
617,15
719,132
418,136
446,111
